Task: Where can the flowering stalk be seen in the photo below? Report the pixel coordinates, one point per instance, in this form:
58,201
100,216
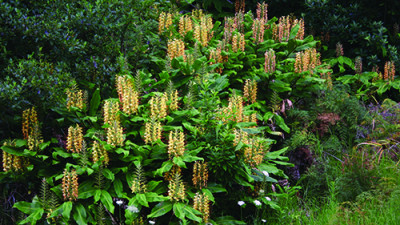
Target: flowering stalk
250,90
176,48
258,30
164,22
75,139
201,203
176,144
75,98
185,25
98,151
202,31
70,185
281,31
128,96
115,136
30,128
270,60
152,132
389,71
176,188
358,65
262,11
200,174
307,61
339,49
13,162
158,106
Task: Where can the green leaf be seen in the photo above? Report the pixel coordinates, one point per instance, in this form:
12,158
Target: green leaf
94,102
118,187
108,174
160,209
66,209
179,161
178,210
191,158
192,214
294,31
12,150
43,146
80,214
281,123
107,201
142,200
97,195
34,217
165,167
20,142
154,197
209,194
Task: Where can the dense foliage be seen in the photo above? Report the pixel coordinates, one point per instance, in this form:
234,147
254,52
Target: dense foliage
134,112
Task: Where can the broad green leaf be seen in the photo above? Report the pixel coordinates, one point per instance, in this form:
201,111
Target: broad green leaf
192,214
66,209
34,217
294,31
165,167
154,197
279,121
191,158
97,195
179,161
209,194
178,210
118,187
108,174
160,209
94,102
107,201
80,214
142,200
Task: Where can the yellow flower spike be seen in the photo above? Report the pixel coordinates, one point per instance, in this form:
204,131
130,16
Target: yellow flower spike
70,185
258,30
200,174
111,109
250,90
185,25
75,139
307,61
389,71
115,136
152,133
201,204
176,188
270,60
176,144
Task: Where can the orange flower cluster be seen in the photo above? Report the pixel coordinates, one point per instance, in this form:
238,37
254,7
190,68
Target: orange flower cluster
176,144
111,109
201,203
339,49
176,48
270,61
240,136
281,32
152,131
176,188
127,94
115,134
200,174
250,90
173,100
70,185
164,21
307,61
158,106
234,110
99,152
389,71
202,31
238,42
75,98
30,128
262,11
254,153
258,30
185,25
75,139
13,162
216,55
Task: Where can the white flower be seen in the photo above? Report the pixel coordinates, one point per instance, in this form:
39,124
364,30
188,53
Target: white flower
268,198
265,173
119,202
261,191
240,203
264,221
132,209
257,203
152,222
